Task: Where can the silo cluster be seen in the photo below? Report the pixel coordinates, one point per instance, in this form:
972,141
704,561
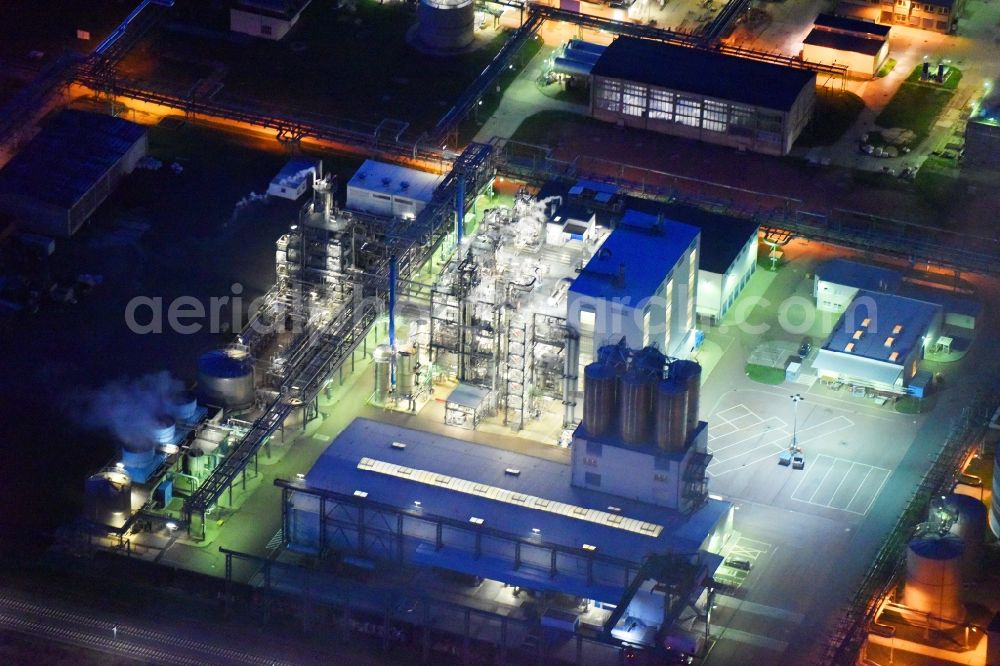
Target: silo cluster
641,397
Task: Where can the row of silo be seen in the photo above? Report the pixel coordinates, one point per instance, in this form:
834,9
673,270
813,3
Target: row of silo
644,397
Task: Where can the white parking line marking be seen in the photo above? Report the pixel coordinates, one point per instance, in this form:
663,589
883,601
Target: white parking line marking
871,483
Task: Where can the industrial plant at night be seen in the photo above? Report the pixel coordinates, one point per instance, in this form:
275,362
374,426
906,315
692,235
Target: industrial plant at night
461,332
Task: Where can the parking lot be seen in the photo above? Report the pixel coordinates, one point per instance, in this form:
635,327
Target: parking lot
843,445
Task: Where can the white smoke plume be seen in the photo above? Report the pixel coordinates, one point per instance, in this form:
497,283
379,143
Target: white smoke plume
249,199
131,409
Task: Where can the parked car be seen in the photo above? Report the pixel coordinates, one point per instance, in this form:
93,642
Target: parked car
805,348
740,563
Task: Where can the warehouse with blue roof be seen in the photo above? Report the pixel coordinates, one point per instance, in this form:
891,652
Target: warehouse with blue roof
59,179
392,494
704,95
879,341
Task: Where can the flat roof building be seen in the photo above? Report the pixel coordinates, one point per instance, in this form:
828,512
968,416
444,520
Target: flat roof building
936,15
838,281
982,134
267,19
704,95
295,178
862,46
728,256
390,190
57,181
641,285
487,512
879,341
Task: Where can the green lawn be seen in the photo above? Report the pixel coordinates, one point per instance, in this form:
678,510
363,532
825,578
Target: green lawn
917,105
952,77
765,374
835,112
547,128
937,184
887,66
910,405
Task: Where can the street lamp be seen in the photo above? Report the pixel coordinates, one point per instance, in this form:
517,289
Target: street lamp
796,399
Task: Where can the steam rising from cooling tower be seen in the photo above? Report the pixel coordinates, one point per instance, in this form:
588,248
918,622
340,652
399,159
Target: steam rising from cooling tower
133,410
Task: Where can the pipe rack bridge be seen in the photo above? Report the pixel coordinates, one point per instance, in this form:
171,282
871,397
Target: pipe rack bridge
320,353
910,241
681,38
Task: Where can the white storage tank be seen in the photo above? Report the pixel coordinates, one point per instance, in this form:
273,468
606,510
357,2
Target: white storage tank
934,581
446,25
225,378
108,498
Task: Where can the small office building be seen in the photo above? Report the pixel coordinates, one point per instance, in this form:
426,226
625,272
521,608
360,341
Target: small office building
390,190
267,19
936,15
862,46
703,95
879,341
838,281
295,178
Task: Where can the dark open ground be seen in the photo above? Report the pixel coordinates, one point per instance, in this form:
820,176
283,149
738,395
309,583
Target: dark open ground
160,234
336,63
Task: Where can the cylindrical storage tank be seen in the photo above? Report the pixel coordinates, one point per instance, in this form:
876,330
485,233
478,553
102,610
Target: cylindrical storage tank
636,391
446,25
185,407
139,458
934,581
598,398
108,498
165,430
689,373
225,378
995,504
404,374
382,358
970,527
670,415
196,463
581,45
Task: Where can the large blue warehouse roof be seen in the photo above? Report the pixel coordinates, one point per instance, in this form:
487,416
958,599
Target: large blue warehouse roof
885,313
701,72
71,154
625,265
337,470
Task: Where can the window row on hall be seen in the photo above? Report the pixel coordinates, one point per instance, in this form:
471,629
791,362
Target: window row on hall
658,104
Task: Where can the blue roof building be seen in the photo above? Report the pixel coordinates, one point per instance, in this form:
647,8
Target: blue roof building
392,493
879,341
640,285
838,281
